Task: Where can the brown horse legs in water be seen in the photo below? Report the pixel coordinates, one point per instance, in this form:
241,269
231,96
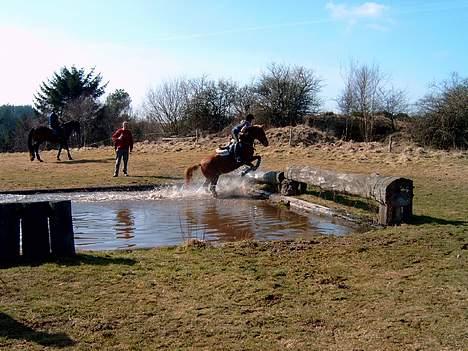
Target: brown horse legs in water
212,178
210,185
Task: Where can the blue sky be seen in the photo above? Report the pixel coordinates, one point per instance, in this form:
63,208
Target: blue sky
137,44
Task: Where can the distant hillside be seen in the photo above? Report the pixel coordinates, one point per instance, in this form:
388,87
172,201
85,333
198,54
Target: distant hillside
14,122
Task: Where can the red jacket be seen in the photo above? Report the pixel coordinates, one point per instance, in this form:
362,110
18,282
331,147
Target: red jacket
122,139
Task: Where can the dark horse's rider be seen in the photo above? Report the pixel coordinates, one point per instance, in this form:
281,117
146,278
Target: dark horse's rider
237,131
54,124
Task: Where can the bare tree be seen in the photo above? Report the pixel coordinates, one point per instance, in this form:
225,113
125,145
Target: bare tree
246,100
85,109
166,104
346,104
211,105
361,94
287,94
393,102
444,111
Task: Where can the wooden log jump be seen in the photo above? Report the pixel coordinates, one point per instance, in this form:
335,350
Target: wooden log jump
46,230
393,194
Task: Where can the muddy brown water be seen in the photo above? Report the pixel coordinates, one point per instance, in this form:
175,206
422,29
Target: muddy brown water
164,217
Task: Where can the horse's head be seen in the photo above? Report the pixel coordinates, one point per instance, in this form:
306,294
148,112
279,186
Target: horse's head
257,132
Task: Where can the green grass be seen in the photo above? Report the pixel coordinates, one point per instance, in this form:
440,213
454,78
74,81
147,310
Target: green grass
395,288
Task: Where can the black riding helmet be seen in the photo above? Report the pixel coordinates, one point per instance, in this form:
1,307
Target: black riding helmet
249,117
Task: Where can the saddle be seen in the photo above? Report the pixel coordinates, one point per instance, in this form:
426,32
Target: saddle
227,150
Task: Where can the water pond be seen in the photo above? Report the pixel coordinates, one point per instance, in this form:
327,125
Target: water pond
162,217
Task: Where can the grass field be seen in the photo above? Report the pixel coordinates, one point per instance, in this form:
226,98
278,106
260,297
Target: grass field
395,288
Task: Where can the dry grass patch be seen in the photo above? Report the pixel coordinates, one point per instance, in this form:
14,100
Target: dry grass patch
398,288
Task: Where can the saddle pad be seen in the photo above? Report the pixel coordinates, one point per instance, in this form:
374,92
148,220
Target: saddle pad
222,152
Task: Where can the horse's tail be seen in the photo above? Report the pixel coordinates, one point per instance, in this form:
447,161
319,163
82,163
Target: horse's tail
189,173
30,144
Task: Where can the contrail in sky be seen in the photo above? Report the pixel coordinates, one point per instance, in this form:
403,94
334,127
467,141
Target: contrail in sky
406,10
244,30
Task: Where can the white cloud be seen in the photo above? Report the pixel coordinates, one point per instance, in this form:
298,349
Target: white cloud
353,14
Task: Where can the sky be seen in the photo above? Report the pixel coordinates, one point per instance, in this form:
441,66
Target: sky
138,44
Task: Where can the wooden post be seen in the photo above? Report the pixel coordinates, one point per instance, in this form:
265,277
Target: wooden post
35,230
9,233
394,194
62,240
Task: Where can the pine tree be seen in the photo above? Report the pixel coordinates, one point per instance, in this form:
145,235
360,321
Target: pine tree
65,87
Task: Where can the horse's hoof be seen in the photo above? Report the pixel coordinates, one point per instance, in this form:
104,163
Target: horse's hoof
41,161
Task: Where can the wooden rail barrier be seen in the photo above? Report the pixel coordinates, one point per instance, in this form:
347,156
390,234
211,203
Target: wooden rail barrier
393,194
46,230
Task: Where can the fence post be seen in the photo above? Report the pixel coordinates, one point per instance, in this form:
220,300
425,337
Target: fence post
35,230
62,241
9,233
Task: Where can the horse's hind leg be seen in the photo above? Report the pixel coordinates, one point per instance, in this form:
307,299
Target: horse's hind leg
36,151
68,152
213,183
59,151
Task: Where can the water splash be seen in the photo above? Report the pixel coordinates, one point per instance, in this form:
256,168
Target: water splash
228,186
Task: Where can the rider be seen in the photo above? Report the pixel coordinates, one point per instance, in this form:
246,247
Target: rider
54,123
239,130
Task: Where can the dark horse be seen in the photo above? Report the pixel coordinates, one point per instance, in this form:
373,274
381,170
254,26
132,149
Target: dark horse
41,134
215,165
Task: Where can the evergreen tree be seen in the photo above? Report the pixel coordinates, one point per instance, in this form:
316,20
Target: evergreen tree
67,86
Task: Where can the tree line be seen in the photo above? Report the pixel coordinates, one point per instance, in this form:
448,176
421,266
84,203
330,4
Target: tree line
282,95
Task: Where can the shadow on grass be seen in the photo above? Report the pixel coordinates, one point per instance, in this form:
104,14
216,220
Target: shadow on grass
419,220
346,200
79,259
103,160
156,177
13,329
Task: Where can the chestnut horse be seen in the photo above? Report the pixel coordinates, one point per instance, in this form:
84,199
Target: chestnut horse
215,165
42,134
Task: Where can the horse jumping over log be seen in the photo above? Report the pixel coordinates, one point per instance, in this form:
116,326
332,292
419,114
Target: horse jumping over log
215,165
42,134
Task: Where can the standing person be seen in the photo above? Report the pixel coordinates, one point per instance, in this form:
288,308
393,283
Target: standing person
123,141
239,129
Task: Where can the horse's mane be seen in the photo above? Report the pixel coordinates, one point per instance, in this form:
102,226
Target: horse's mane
254,127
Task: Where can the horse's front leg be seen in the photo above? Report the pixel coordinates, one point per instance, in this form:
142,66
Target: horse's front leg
59,151
259,160
251,165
